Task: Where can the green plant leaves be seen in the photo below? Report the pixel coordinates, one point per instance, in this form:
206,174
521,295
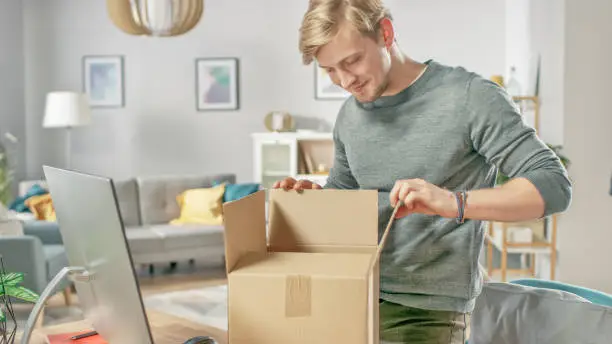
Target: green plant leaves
22,293
12,278
9,286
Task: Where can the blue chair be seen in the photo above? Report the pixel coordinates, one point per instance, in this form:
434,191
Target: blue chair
594,296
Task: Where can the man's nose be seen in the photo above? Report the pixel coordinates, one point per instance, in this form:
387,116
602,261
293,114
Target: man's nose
346,79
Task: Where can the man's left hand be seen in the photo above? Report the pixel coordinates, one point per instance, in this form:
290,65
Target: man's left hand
422,197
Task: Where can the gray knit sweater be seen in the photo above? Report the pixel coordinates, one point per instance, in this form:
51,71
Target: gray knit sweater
454,129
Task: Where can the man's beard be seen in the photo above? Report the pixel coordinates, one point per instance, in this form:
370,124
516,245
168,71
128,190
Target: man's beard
381,88
378,91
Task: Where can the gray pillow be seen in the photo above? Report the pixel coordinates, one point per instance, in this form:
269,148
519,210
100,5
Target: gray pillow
513,314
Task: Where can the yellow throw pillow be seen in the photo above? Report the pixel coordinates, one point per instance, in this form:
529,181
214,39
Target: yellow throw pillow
42,207
201,206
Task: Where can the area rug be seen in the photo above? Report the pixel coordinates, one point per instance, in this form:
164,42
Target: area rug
206,306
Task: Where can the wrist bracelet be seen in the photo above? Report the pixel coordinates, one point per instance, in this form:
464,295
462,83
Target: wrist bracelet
461,197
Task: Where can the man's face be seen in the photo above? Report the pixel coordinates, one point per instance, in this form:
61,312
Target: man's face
357,63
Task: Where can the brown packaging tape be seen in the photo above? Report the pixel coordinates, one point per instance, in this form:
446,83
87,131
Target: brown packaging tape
298,296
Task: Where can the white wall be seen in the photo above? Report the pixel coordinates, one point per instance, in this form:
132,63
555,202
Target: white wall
586,230
534,29
159,130
518,40
12,116
547,34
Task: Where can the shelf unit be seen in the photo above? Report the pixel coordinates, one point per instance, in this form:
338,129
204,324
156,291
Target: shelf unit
543,242
301,155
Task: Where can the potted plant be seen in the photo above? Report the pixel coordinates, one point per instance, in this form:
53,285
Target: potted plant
6,178
6,173
10,287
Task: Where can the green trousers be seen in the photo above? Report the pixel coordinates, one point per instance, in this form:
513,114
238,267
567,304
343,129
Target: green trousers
400,324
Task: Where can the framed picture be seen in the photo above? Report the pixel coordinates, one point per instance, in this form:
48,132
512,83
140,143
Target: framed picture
103,80
217,84
325,87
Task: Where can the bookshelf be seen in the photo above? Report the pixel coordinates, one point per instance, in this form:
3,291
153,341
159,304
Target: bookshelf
301,155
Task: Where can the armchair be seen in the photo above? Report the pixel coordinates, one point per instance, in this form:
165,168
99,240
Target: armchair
38,253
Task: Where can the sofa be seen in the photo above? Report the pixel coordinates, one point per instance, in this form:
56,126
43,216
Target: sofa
147,205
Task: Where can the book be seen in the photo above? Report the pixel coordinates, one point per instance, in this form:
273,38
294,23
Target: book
65,338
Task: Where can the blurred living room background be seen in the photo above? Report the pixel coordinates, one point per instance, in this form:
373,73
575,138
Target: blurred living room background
228,107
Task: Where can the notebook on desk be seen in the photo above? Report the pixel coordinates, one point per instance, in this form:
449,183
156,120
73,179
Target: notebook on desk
66,338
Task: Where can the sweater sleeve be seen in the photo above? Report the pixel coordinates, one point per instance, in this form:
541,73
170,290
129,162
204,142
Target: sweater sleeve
500,134
340,175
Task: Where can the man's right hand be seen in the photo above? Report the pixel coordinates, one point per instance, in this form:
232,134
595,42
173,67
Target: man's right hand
290,183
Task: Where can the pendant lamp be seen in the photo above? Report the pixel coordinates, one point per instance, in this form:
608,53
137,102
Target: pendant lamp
160,18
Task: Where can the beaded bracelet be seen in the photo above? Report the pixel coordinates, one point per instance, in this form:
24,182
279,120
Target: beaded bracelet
461,197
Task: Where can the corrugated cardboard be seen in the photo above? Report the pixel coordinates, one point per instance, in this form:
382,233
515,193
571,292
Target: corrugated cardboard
314,279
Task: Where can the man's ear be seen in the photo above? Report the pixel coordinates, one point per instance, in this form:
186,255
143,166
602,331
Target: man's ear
387,32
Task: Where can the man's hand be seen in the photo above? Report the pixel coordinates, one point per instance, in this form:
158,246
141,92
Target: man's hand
292,184
422,197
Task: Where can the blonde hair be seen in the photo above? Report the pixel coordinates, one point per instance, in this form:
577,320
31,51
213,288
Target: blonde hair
321,21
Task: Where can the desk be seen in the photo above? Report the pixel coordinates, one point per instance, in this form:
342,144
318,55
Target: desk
167,329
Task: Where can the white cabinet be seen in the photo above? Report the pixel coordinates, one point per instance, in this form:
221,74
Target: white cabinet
302,155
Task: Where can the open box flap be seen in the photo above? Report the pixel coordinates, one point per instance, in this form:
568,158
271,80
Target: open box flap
245,227
322,218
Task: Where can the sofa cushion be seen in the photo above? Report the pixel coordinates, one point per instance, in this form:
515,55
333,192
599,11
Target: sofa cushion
187,235
48,232
144,240
201,206
505,313
55,256
35,189
157,194
127,197
235,192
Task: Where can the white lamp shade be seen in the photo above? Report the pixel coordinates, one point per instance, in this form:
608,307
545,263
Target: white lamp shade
66,109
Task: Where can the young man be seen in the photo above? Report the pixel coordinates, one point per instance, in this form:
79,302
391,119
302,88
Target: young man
434,137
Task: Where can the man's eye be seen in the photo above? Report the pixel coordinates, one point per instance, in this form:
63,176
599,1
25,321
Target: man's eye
353,60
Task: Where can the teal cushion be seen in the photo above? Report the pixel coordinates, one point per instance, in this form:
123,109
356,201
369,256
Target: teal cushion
237,191
594,296
18,204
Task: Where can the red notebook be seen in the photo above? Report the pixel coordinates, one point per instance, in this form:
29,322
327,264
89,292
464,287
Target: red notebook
65,338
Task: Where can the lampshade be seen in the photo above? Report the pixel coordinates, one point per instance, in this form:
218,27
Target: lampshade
155,17
66,109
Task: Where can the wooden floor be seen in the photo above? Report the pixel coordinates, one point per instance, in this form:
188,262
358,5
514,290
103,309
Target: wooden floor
165,328
184,276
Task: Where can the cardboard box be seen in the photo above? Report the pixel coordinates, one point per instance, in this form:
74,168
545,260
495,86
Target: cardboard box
314,279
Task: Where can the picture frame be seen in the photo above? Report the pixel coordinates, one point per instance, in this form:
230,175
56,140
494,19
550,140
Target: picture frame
325,89
217,83
103,80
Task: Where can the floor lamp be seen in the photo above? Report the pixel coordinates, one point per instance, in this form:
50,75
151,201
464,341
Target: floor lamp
66,110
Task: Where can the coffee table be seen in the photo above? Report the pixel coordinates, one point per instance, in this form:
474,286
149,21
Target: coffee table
166,329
